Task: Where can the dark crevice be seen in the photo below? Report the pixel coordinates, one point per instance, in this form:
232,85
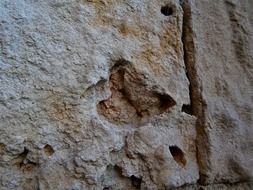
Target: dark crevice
22,163
116,171
166,102
136,182
187,108
197,104
189,59
19,160
107,188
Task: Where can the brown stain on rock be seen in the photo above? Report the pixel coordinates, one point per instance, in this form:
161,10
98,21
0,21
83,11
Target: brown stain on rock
170,44
62,110
150,58
59,111
105,17
102,9
171,41
125,106
170,37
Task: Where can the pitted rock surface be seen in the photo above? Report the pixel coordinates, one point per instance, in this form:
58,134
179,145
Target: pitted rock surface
126,94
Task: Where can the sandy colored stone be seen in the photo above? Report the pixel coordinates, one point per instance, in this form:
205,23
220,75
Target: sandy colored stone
126,94
219,55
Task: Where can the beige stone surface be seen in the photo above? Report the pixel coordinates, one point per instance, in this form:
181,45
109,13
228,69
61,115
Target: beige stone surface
125,94
235,186
91,96
221,38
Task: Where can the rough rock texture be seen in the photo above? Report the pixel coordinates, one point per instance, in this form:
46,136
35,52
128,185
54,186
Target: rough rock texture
220,58
126,94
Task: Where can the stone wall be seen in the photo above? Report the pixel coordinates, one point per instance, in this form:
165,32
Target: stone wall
126,94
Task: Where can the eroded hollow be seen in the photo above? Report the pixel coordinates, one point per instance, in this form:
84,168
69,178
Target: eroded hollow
132,99
178,155
23,163
19,160
48,150
167,10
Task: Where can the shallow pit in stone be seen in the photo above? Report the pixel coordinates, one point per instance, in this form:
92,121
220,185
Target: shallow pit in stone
48,150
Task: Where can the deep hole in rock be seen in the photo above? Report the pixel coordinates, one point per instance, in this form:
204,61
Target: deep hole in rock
136,182
107,188
167,10
48,150
24,154
187,109
178,155
118,170
166,102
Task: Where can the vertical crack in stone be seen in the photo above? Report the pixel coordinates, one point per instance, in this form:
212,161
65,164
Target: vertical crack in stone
197,105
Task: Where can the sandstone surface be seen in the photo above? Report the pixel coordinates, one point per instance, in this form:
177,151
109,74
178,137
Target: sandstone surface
126,94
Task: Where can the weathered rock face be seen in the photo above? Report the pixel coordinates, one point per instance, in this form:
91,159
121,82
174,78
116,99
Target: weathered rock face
127,94
221,59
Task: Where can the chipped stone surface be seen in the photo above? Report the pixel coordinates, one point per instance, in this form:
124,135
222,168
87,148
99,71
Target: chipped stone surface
135,97
126,94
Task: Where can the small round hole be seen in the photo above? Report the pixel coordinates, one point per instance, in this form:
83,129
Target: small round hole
178,155
48,150
167,10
